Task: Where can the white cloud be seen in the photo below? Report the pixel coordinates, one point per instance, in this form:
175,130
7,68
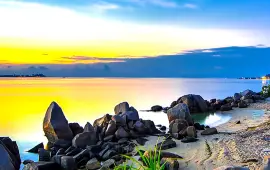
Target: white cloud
161,3
190,6
103,6
38,21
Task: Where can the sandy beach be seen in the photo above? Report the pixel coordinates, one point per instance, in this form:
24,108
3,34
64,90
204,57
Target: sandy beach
235,145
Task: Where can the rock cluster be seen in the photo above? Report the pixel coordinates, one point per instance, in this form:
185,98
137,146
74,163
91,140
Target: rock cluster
95,146
9,154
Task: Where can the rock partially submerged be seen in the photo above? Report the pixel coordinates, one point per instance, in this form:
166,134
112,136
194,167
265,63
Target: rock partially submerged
55,124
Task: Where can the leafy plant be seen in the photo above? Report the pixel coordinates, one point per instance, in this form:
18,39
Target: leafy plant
150,161
266,91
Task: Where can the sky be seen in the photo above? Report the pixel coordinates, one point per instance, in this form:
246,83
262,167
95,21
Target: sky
39,35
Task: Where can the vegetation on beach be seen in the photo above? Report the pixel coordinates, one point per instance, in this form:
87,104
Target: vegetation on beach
266,91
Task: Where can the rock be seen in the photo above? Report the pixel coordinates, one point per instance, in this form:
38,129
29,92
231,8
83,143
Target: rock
213,100
108,138
191,132
61,151
225,108
228,100
174,103
62,144
195,103
10,147
132,114
42,166
180,111
237,96
6,160
35,149
178,125
109,154
81,155
139,127
93,164
170,164
248,101
163,128
231,168
189,140
242,105
121,133
237,122
84,139
75,128
111,129
209,131
198,126
248,93
121,108
44,155
167,144
176,136
141,141
27,161
88,128
68,163
118,120
102,121
234,104
156,108
150,127
55,124
109,163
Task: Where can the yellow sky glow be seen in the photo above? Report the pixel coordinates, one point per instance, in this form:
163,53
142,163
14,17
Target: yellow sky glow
33,33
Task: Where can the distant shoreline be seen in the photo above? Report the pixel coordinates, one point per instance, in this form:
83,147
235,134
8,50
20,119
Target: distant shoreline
15,75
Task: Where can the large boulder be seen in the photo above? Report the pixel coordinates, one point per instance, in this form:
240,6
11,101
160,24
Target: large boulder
131,114
102,121
111,129
196,103
75,128
36,148
180,111
248,93
84,139
226,107
156,108
150,127
10,147
121,133
178,125
237,96
88,128
121,108
55,124
6,160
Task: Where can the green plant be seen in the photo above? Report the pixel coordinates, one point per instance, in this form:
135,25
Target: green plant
150,161
266,91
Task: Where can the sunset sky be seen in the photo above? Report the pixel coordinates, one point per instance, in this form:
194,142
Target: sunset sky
56,32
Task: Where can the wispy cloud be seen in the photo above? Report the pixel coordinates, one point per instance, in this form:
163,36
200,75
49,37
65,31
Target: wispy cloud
103,6
190,6
86,59
160,3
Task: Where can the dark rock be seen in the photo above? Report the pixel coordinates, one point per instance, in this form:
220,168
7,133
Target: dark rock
139,127
132,114
248,101
42,166
81,155
27,161
237,96
191,132
108,138
189,140
237,122
131,125
61,151
176,136
82,162
55,124
71,148
207,127
150,126
242,104
102,121
195,103
248,93
68,163
88,128
74,152
93,164
156,108
104,151
109,154
167,144
159,126
170,155
111,129
108,164
141,141
94,149
198,126
121,133
209,131
35,149
180,111
120,121
226,108
121,108
163,128
170,164
231,168
174,103
62,143
75,128
177,125
44,155
213,100
84,139
128,149
123,141
5,161
234,104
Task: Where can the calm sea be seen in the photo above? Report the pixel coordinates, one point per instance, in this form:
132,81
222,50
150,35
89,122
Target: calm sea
24,101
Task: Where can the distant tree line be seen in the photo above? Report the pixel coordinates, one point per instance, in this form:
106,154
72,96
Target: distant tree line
17,75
